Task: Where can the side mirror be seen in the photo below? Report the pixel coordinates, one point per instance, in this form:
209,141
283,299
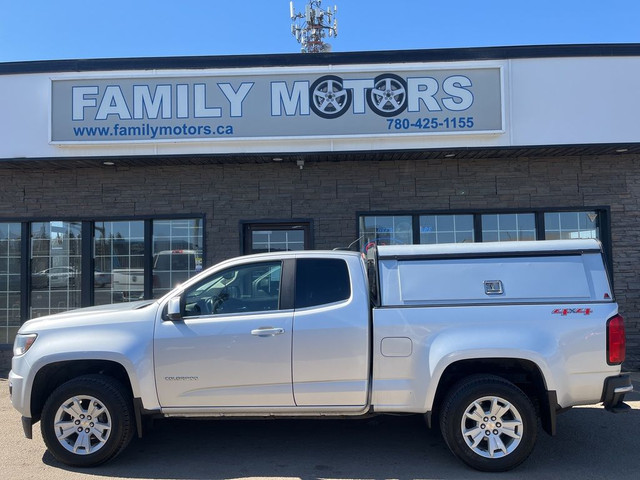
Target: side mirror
173,309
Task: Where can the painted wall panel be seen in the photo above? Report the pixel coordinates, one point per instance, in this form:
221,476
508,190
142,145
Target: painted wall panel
545,101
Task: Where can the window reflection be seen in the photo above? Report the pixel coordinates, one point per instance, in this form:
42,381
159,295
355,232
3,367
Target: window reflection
385,230
446,229
118,261
571,225
10,240
56,249
508,227
177,252
263,241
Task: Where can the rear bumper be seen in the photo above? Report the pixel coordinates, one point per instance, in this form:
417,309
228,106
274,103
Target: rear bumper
614,391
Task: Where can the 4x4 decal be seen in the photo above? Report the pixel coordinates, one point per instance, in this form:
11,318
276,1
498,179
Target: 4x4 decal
571,311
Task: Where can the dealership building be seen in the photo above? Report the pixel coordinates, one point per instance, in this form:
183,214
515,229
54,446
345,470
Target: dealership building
123,177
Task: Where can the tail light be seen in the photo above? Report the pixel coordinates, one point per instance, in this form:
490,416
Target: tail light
616,342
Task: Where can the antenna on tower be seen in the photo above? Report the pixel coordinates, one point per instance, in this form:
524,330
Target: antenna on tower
312,26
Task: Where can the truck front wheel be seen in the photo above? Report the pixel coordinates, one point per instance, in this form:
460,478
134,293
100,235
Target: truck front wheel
87,421
489,423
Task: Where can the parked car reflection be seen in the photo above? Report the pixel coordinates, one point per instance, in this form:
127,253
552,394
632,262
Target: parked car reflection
55,277
101,279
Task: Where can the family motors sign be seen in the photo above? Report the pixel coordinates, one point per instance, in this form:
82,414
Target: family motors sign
203,108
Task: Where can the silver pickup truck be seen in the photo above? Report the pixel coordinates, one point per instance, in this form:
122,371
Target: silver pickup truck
482,339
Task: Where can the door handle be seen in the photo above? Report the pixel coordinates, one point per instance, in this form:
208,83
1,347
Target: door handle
267,331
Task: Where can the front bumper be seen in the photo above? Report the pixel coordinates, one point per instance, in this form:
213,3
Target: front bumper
614,391
15,394
20,402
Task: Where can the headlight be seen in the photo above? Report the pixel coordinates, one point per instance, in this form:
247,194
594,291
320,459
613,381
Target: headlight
23,343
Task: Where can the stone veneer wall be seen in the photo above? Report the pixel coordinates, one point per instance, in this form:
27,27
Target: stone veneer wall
331,193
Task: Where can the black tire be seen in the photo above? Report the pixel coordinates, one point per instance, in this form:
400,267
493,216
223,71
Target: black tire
492,443
110,432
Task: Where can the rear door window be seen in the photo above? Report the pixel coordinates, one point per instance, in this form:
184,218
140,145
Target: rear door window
320,281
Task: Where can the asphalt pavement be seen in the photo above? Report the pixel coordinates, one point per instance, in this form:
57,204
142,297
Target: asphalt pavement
591,444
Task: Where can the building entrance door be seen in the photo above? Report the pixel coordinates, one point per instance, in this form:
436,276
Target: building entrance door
276,237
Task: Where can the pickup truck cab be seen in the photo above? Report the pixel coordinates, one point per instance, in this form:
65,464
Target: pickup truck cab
484,339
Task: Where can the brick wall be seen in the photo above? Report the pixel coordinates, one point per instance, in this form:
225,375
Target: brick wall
330,193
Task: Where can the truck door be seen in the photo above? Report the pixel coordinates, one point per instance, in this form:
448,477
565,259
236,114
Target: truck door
233,345
330,333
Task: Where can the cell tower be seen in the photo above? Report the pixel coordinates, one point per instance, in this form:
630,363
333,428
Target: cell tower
311,27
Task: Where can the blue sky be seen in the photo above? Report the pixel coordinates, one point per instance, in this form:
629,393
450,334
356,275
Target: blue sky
64,29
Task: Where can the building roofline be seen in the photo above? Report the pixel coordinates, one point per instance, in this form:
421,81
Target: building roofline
315,59
445,154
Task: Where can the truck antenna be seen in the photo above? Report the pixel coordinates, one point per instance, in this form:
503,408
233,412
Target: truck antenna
348,247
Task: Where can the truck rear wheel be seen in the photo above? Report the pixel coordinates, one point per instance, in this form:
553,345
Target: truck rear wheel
87,421
489,423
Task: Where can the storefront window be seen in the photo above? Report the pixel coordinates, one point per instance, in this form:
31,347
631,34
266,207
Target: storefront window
508,227
571,225
446,229
434,228
118,249
385,230
275,237
177,252
277,240
56,249
10,238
